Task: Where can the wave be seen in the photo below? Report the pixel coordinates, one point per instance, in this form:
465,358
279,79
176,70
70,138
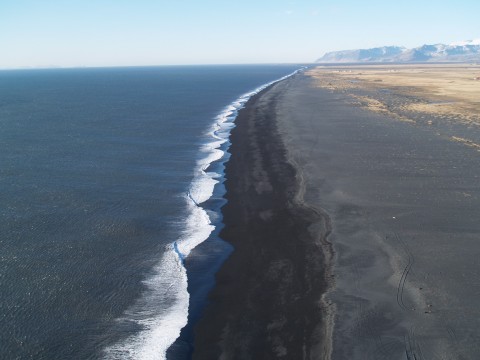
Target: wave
162,311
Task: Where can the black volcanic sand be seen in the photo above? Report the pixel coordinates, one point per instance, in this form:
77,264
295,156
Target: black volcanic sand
266,304
404,208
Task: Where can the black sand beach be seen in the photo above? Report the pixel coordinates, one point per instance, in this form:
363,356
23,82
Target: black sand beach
398,202
266,304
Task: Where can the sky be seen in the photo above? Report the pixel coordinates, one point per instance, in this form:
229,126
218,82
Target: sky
78,33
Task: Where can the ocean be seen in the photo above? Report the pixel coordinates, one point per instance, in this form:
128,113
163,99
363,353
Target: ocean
111,185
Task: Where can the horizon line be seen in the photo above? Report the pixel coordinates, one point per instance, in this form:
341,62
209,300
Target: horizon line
59,67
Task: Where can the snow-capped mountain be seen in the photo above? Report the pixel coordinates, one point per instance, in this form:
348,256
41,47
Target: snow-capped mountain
378,54
464,51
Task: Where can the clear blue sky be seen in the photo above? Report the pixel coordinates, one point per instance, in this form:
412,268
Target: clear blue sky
41,33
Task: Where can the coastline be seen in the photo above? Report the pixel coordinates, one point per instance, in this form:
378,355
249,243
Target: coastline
206,195
266,303
399,201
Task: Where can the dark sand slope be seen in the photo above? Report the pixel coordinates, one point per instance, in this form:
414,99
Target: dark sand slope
267,302
404,203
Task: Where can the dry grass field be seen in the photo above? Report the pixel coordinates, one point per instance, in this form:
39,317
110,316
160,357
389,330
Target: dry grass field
445,91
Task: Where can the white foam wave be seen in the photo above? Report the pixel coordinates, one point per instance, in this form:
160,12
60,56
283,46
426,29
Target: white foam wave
162,326
198,229
163,309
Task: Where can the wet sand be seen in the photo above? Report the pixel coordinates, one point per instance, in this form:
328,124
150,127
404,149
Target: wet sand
402,201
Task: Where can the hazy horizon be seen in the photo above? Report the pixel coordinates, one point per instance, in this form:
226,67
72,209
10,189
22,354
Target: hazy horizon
112,33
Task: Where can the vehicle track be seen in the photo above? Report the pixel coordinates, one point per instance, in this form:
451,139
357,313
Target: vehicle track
406,270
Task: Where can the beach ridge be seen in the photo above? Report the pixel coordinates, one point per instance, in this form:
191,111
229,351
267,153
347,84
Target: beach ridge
321,232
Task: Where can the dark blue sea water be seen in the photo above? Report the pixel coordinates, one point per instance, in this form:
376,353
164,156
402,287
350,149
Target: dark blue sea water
110,191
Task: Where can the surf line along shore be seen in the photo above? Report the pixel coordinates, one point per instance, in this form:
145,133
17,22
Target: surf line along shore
267,302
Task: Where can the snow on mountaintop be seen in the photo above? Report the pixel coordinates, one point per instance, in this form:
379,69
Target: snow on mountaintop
463,51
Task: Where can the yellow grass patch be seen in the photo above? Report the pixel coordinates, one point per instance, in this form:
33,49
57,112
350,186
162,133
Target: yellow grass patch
450,91
377,106
466,142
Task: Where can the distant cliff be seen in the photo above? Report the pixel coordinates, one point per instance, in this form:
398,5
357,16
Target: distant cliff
465,51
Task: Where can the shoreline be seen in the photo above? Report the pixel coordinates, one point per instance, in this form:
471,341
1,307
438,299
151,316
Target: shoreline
213,251
266,300
399,201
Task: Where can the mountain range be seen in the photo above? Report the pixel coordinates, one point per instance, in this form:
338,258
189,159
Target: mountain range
464,51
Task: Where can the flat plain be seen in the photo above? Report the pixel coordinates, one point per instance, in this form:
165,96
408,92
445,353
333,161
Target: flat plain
390,154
